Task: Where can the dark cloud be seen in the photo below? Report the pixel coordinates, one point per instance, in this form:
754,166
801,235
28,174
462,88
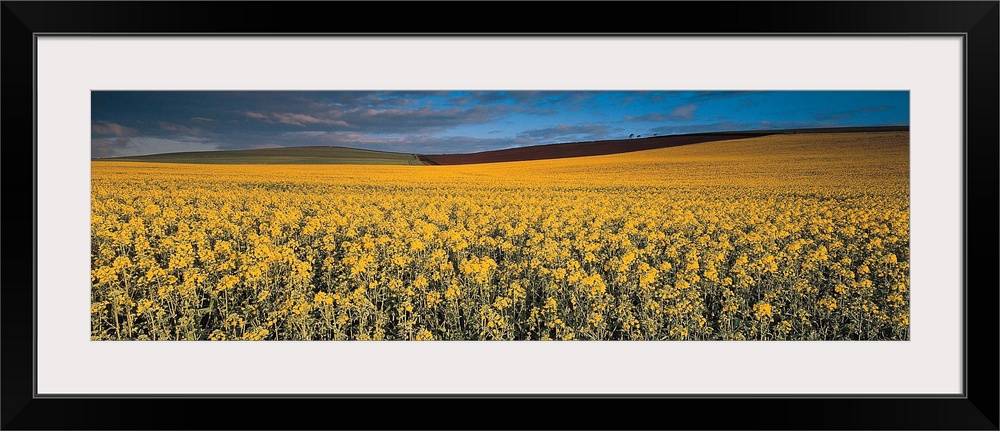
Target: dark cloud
112,139
107,147
109,139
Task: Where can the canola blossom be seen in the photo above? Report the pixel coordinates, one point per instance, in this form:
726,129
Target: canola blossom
784,237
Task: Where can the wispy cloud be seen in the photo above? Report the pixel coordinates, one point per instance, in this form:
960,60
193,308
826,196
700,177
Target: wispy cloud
419,120
566,132
180,128
519,97
851,114
302,120
107,128
654,117
257,116
682,113
423,119
679,113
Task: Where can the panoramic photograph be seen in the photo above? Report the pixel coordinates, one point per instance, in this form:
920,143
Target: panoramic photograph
500,215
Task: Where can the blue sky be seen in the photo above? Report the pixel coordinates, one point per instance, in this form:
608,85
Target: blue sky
150,122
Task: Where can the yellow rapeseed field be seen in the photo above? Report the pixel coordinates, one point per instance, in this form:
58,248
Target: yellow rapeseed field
785,237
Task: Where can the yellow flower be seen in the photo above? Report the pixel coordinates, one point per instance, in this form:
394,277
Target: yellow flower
762,310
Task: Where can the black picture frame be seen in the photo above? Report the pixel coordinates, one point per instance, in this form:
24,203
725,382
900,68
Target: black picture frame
976,21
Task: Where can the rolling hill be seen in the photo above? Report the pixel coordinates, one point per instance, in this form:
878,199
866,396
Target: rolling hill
579,149
598,148
343,155
278,156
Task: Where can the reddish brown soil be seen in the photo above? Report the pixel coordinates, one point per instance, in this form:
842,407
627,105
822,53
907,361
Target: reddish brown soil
578,149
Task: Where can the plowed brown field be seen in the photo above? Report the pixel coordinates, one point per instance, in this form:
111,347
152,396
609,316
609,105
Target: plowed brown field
579,149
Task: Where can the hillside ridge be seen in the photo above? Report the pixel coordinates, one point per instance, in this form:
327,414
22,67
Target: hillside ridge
350,155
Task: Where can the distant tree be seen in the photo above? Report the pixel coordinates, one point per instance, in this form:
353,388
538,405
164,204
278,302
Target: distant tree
631,135
638,136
